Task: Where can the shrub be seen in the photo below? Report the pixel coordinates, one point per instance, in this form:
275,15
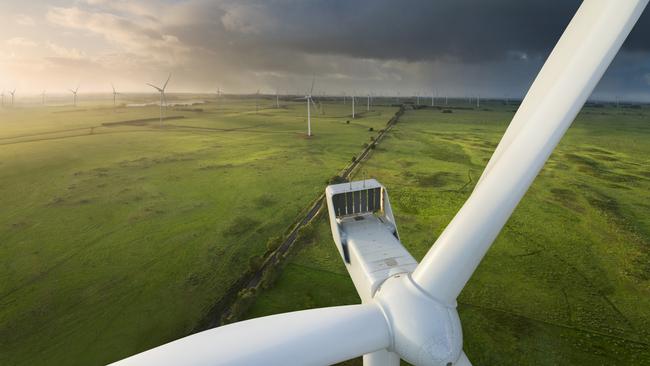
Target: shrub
273,243
337,179
255,262
371,129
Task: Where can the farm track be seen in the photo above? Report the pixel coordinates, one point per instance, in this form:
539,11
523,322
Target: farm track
91,131
223,309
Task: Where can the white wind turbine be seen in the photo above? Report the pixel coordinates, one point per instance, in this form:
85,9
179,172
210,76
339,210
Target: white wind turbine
353,103
408,310
115,94
74,95
162,95
310,102
3,98
13,94
218,96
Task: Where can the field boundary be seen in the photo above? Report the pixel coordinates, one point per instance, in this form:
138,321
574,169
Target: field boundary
241,293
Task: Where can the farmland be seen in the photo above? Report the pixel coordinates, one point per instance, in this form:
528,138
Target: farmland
119,233
568,279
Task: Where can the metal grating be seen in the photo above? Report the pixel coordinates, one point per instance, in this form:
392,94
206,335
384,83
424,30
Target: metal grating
357,202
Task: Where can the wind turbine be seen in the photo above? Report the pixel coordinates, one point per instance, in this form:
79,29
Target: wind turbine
310,102
13,93
162,95
478,101
74,96
368,104
218,96
115,93
353,102
408,309
3,98
277,99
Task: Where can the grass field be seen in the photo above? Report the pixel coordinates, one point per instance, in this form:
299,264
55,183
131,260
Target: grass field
568,280
117,238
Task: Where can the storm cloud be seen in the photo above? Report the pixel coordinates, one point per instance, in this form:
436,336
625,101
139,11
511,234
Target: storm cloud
454,47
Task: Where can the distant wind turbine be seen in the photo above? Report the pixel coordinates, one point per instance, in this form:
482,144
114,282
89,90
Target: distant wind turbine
74,96
368,103
13,92
3,98
310,102
277,99
115,93
218,95
162,95
353,98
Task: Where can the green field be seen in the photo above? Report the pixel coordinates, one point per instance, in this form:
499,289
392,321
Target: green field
568,280
117,238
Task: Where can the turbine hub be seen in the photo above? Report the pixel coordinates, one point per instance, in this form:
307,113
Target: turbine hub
425,331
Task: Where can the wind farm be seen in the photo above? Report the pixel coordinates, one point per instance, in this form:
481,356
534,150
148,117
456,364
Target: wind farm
239,218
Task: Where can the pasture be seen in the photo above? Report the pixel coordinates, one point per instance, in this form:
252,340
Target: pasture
568,279
118,233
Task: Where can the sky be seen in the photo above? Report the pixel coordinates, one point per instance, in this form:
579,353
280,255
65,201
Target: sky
450,47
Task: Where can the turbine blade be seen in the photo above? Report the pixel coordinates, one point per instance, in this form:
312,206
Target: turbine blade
155,87
313,80
568,77
311,337
169,77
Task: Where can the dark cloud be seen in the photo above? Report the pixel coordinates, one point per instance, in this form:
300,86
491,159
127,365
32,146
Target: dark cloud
411,30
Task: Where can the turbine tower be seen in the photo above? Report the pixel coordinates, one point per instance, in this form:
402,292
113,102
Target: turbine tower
408,309
3,98
353,99
368,104
13,93
310,102
162,96
74,96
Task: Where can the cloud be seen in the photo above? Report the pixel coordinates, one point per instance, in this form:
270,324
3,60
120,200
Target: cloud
146,41
460,46
68,53
24,20
21,42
